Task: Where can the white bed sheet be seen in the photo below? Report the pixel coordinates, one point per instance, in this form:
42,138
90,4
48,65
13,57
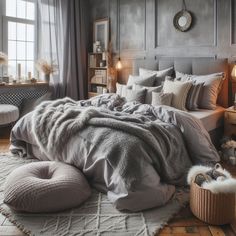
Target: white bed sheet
211,119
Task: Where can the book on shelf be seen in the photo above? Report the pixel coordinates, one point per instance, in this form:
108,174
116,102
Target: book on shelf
99,89
92,61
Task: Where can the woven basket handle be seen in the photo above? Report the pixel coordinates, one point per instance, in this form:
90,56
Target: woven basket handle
218,166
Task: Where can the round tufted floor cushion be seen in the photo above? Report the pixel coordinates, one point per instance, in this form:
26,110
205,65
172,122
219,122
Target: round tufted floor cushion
8,114
45,186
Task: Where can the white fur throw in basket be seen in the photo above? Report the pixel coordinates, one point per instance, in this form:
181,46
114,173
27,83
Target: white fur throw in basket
212,194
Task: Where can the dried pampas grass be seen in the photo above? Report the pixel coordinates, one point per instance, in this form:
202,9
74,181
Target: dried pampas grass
3,59
46,67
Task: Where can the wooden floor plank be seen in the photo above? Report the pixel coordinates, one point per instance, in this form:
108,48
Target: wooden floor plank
180,234
186,222
216,231
4,145
204,231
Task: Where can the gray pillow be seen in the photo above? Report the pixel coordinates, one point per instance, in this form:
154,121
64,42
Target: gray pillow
148,99
121,89
193,97
159,74
161,99
146,80
210,89
136,95
45,186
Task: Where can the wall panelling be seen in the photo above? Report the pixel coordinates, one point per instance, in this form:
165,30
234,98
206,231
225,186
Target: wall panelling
146,29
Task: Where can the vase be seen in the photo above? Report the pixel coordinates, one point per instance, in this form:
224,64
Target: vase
47,78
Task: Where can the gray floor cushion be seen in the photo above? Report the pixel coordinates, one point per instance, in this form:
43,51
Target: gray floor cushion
45,186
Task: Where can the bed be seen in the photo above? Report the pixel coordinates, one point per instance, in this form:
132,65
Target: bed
136,153
213,120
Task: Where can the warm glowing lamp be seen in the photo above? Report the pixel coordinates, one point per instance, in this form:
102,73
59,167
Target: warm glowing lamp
233,73
119,64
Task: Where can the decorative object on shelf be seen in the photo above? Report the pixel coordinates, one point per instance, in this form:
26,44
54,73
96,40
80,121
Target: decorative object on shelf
104,90
101,33
98,47
183,19
33,80
3,61
102,63
6,79
46,68
99,89
104,60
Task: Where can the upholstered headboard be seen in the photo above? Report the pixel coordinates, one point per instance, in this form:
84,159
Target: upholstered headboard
197,66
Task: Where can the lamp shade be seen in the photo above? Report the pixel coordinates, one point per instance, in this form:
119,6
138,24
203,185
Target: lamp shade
233,73
118,65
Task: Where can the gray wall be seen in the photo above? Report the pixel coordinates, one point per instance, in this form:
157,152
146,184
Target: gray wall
146,29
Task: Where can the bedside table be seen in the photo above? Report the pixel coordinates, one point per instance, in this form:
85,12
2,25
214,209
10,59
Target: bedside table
230,122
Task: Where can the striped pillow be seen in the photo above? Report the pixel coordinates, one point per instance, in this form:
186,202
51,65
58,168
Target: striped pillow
179,90
210,89
193,97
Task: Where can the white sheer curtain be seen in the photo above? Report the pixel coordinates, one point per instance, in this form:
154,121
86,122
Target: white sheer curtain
62,34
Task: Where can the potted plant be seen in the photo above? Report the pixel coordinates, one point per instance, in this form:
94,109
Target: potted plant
46,68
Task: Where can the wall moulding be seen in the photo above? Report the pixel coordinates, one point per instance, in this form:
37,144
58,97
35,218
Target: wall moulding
203,32
232,23
131,25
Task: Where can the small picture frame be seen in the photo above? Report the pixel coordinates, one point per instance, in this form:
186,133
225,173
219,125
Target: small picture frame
101,33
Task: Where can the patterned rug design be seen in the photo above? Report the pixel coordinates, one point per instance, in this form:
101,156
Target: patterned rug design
96,217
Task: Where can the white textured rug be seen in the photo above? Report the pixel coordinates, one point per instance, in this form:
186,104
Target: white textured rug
95,217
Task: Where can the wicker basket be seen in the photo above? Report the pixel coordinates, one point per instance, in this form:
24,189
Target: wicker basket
215,209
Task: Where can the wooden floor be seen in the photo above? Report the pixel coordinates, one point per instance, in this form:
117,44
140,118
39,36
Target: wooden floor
184,224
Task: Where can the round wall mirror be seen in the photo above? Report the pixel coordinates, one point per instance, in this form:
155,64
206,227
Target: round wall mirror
182,20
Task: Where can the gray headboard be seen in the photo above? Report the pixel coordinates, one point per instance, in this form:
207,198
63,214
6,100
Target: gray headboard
197,66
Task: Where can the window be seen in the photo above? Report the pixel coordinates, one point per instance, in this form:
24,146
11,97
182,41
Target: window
19,36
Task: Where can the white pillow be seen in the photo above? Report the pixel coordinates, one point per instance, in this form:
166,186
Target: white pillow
148,99
136,95
161,99
146,80
179,91
159,74
121,89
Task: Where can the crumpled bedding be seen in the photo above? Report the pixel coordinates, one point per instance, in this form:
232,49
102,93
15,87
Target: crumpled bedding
134,152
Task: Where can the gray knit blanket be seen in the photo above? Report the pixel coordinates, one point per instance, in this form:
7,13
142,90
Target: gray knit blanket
158,135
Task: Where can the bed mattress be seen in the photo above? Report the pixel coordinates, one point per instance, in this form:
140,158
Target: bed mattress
211,119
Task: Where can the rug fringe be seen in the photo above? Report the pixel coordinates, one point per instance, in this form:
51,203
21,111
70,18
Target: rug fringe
13,221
